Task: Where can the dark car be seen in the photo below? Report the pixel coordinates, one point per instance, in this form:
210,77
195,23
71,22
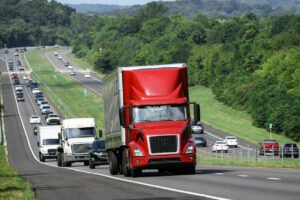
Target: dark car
16,82
197,128
200,141
38,95
18,62
34,85
67,64
98,155
289,150
6,51
29,82
10,63
20,97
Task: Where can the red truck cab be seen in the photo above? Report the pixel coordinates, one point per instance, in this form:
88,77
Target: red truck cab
268,146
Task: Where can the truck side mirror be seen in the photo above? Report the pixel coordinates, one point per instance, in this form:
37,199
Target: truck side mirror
122,117
100,133
196,112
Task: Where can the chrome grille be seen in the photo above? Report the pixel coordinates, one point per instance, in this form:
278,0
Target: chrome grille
163,144
52,152
81,148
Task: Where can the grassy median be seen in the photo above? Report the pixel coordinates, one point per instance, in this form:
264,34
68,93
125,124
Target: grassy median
70,92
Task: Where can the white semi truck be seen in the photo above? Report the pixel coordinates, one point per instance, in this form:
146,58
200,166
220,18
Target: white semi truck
48,141
77,136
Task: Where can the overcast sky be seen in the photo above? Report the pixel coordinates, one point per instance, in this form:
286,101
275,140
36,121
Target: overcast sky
115,2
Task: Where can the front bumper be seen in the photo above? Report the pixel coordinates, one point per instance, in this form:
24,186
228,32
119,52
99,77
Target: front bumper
76,157
163,162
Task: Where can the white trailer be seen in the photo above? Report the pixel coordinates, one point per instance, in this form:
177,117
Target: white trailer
48,141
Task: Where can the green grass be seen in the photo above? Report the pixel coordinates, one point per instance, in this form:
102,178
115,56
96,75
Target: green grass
222,117
82,63
268,161
70,92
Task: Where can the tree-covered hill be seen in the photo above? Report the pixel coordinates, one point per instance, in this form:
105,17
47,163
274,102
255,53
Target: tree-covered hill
250,63
95,8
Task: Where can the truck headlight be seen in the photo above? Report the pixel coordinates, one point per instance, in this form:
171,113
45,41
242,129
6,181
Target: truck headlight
137,152
189,149
67,150
43,150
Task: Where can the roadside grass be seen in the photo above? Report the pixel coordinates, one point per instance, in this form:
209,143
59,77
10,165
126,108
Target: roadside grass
70,92
268,161
224,118
83,64
11,185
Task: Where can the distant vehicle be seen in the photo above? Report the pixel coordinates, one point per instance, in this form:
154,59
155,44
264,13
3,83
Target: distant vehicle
70,67
197,128
16,82
55,53
67,64
38,95
17,50
72,73
48,141
43,103
289,150
98,155
34,85
20,97
52,119
18,91
16,54
231,141
220,146
35,90
60,57
34,119
10,63
25,77
35,129
38,101
29,82
18,62
45,109
6,51
21,68
48,112
19,87
200,141
87,76
11,68
268,146
14,76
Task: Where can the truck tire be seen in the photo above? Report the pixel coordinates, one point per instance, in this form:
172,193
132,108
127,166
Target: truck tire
92,166
42,158
113,163
125,169
59,160
86,163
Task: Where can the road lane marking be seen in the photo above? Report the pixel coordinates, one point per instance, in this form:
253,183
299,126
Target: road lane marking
274,179
243,175
109,176
219,173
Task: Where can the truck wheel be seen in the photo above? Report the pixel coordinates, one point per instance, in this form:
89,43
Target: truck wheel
42,158
125,169
59,160
113,163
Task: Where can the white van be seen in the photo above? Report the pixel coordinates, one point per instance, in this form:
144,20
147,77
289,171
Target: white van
48,141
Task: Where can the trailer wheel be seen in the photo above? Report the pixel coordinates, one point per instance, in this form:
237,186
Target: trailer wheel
59,160
113,163
125,169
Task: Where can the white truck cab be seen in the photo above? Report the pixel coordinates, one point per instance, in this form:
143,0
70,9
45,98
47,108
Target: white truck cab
76,138
48,141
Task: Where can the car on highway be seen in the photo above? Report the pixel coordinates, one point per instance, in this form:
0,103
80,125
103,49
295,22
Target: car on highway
43,103
72,73
25,77
197,128
19,87
29,82
200,141
268,146
87,76
35,90
14,75
6,51
45,109
52,119
231,141
20,96
38,101
34,119
98,154
18,62
35,130
38,96
60,57
16,82
21,68
34,85
55,53
289,150
16,54
67,64
220,146
70,67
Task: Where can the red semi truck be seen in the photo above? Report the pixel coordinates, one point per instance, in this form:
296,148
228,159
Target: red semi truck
147,119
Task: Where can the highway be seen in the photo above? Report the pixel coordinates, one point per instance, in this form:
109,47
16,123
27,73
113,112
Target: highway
78,181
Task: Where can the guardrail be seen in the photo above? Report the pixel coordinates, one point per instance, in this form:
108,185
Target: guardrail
49,89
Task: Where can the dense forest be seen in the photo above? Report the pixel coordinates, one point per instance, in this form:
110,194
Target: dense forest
250,63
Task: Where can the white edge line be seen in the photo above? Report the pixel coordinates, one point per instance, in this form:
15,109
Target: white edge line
275,179
107,176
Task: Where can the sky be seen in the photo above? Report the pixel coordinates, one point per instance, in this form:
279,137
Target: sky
115,2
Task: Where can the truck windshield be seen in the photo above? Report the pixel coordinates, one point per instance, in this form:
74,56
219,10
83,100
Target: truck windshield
159,113
79,132
51,142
